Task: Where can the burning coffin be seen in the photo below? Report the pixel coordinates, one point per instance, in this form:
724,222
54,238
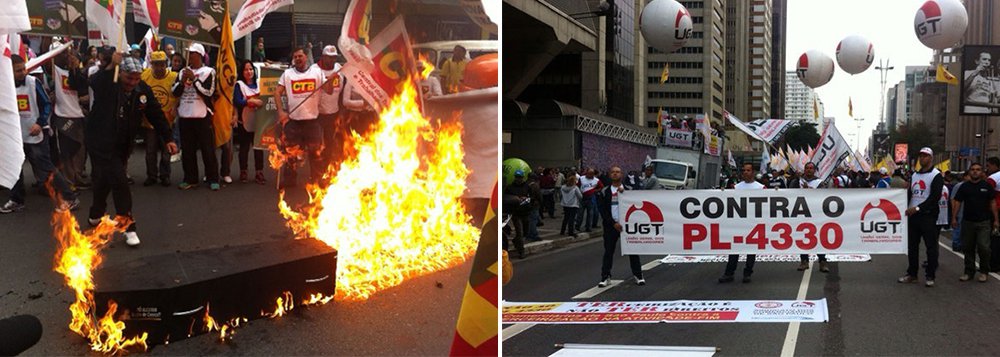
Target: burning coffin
167,295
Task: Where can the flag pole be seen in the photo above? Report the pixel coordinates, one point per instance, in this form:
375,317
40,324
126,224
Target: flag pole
121,33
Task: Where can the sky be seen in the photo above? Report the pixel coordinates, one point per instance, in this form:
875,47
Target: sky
888,24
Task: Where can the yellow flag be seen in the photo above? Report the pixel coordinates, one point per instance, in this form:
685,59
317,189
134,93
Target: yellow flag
225,67
944,76
944,165
815,109
665,75
850,107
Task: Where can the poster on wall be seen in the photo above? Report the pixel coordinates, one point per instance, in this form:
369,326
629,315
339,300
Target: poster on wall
980,80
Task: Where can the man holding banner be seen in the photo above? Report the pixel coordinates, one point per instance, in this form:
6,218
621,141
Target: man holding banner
748,184
809,180
926,186
301,130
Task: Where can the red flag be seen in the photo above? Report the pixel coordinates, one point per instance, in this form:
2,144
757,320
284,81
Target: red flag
476,330
394,60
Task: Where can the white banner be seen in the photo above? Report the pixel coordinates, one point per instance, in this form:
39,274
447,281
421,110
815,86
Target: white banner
678,137
764,258
771,130
251,15
792,221
832,149
678,311
739,124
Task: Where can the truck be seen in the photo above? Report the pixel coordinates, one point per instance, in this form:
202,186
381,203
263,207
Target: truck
685,169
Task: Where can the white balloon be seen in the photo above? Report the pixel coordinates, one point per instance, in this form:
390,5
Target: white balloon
814,68
666,25
940,24
855,54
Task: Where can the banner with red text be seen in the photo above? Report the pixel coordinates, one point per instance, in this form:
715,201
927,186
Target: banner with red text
785,221
678,311
764,258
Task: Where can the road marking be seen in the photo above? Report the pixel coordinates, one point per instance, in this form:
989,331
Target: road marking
513,330
597,290
792,336
651,265
960,255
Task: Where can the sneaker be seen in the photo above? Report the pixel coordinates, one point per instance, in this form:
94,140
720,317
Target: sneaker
186,186
175,157
11,207
982,278
243,176
726,279
149,182
165,182
68,205
964,277
640,281
907,279
227,179
604,282
94,221
130,180
824,267
929,283
259,177
132,239
803,266
746,278
214,186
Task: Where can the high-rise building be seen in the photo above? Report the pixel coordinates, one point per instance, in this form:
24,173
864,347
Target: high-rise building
737,53
801,102
760,58
778,33
890,107
697,70
915,75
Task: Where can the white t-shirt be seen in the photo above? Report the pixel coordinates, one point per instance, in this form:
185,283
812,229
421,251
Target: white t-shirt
298,87
942,218
814,183
191,105
587,184
743,185
330,103
614,202
67,103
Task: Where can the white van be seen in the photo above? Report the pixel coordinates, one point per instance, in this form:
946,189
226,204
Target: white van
438,51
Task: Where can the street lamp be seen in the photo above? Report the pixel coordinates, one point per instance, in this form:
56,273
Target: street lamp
884,69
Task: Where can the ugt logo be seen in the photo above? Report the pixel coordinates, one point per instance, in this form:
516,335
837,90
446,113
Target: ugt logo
655,225
303,86
892,218
932,16
680,34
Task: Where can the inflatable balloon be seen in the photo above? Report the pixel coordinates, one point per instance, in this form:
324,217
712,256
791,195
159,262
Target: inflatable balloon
940,24
481,72
513,164
814,69
855,54
666,25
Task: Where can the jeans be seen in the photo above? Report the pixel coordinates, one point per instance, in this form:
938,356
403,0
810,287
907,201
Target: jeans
611,237
38,155
805,257
735,258
956,234
922,228
156,149
197,134
549,204
519,223
110,178
588,209
226,159
976,237
245,141
532,227
306,135
569,219
73,154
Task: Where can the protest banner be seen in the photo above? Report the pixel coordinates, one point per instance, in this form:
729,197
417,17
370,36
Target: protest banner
198,21
265,118
678,311
678,137
764,258
58,18
861,221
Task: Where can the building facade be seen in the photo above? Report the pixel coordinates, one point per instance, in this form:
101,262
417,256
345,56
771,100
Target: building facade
801,102
760,59
779,27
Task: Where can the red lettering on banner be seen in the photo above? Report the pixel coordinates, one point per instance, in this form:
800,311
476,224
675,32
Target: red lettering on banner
716,244
757,237
693,233
784,231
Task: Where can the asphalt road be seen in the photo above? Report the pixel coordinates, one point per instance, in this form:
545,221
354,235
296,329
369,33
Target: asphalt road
870,313
415,318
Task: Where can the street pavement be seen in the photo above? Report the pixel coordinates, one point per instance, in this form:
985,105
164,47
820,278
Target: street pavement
870,313
415,318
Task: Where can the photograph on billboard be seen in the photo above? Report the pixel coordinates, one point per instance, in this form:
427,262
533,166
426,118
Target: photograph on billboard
980,80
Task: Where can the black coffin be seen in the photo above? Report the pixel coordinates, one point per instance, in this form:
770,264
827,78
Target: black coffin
166,295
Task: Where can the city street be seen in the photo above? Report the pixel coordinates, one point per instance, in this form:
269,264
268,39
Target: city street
415,318
870,313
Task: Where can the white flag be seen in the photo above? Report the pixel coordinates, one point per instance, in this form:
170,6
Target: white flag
13,19
832,149
252,13
766,130
147,12
110,20
732,162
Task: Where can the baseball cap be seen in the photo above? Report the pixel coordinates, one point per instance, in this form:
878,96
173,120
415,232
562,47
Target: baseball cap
927,150
519,173
131,65
330,50
158,56
135,47
197,48
883,170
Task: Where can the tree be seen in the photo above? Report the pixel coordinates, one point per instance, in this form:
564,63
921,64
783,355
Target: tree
916,135
800,136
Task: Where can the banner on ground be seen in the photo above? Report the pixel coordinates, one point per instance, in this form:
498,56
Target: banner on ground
831,150
265,117
678,137
199,21
697,222
678,311
251,15
763,258
58,18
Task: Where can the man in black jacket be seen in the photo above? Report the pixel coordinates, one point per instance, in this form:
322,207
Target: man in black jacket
114,120
607,205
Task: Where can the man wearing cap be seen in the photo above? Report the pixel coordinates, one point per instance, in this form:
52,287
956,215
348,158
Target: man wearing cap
884,179
925,191
69,81
300,131
160,79
521,212
194,87
111,126
329,102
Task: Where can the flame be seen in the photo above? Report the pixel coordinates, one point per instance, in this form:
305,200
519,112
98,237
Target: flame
428,66
226,330
317,299
76,258
392,209
285,304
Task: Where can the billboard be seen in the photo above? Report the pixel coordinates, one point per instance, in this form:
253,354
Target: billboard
901,151
980,80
